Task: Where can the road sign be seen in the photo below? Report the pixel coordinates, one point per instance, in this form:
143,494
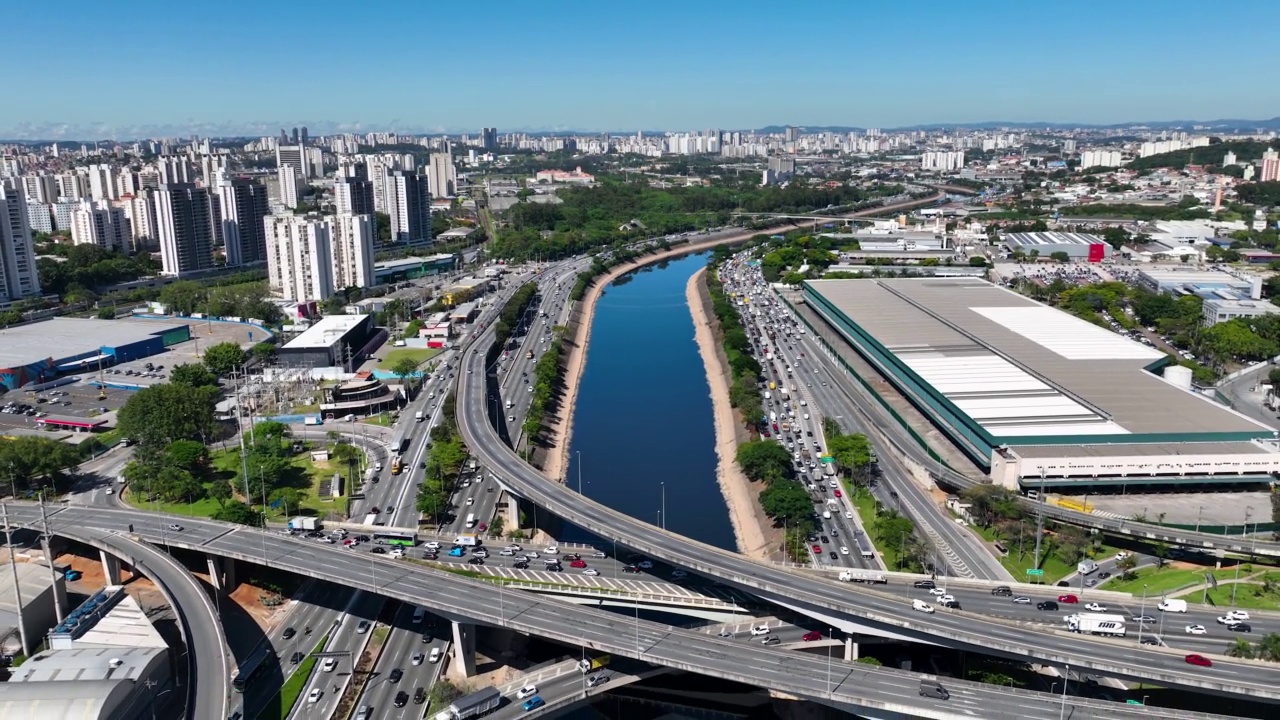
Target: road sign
1035,571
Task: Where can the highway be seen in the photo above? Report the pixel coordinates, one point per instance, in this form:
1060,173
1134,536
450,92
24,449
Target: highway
346,639
816,597
747,662
402,649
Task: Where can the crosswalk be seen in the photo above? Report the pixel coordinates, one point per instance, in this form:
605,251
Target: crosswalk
624,585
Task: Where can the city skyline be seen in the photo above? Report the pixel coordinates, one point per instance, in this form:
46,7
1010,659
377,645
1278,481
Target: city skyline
614,68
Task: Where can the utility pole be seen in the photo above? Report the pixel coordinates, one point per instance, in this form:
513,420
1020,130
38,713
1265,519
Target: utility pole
17,586
48,553
1039,517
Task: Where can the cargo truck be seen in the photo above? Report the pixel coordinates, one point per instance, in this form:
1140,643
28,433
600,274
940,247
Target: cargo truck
1096,624
466,540
590,665
873,577
303,523
312,420
473,705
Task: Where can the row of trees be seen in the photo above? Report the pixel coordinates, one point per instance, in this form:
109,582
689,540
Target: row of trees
445,457
83,269
546,383
744,370
29,463
243,300
513,311
998,510
783,498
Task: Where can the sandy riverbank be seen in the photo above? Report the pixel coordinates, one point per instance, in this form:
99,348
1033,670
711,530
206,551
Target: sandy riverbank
752,529
560,427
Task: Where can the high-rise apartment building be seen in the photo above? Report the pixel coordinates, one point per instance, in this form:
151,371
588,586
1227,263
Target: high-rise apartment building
352,189
140,209
442,174
40,188
39,217
1100,158
298,157
1270,169
409,205
352,241
489,138
243,203
98,222
287,177
791,134
300,256
173,170
102,182
18,277
72,186
184,223
942,161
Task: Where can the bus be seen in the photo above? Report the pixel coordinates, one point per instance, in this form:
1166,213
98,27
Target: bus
397,465
395,537
251,668
373,519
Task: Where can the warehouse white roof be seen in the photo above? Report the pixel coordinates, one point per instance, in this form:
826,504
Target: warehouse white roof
325,333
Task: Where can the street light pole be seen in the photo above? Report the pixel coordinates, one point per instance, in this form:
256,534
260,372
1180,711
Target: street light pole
1142,613
663,485
1066,680
579,472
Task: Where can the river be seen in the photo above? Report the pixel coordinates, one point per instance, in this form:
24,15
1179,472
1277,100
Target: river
643,423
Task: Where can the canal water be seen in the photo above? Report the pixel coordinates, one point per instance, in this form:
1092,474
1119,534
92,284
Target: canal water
643,424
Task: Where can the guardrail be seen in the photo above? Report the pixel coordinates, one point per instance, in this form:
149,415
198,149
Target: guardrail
695,600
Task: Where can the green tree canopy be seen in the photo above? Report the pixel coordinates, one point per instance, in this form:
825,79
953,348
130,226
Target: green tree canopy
237,512
156,416
223,358
193,375
763,460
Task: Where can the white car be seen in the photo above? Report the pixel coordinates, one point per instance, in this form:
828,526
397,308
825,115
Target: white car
526,691
506,551
471,501
1022,600
432,545
1238,614
435,655
532,555
1196,630
514,548
417,659
937,591
329,665
848,514
552,550
1095,607
591,571
1228,620
944,599
844,550
921,606
760,630
315,695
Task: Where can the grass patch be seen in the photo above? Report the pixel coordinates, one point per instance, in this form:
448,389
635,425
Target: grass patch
417,355
1053,567
297,682
1164,580
383,419
865,504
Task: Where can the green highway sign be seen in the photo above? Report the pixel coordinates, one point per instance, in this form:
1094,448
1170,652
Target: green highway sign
1035,571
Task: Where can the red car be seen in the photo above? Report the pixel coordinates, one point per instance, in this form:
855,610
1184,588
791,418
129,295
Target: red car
817,549
1068,599
836,492
1200,660
812,635
577,564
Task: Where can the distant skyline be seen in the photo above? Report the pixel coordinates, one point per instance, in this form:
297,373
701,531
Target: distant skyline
91,71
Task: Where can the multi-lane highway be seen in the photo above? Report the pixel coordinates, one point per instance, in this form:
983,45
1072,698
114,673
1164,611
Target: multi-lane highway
348,631
820,598
747,662
409,649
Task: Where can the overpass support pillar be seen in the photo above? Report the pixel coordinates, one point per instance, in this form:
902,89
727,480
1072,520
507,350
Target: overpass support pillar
850,650
110,567
511,513
222,573
463,664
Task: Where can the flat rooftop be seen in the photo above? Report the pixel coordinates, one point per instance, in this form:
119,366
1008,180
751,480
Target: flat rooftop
59,338
1033,239
325,333
1024,372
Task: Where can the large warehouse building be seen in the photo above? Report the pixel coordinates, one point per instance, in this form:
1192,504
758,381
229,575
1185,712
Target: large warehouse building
1077,246
42,351
1037,395
335,341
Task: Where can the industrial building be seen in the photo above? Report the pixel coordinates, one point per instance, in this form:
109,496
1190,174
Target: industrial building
1038,396
41,351
1077,246
37,589
1216,310
411,268
334,341
1205,283
105,660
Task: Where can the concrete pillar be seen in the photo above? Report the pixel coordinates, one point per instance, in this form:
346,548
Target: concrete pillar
110,567
229,574
850,650
215,572
222,573
463,663
511,513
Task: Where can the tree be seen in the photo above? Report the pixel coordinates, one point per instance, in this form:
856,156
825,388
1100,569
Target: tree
1240,648
1070,544
237,512
1161,551
787,502
977,261
223,358
156,416
1269,647
190,456
1060,256
193,375
763,460
27,463
868,660
183,297
221,492
1126,565
852,452
404,367
106,313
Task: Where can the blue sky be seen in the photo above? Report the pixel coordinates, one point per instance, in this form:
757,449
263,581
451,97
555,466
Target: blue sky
424,65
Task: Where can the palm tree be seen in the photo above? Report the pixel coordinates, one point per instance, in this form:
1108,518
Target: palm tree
1240,648
1269,647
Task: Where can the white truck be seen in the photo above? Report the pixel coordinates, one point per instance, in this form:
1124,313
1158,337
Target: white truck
420,416
1097,624
1086,567
467,540
873,577
303,523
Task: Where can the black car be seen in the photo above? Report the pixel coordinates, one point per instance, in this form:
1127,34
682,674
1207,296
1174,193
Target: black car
1063,583
1047,605
402,699
834,555
364,538
924,584
426,637
953,604
379,550
811,537
476,561
419,696
825,539
1002,590
396,674
295,658
288,633
521,565
1240,627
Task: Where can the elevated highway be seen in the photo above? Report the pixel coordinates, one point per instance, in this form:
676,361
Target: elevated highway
848,608
877,692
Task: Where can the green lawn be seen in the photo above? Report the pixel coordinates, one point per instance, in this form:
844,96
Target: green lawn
866,505
1164,580
1054,568
417,355
297,682
1248,595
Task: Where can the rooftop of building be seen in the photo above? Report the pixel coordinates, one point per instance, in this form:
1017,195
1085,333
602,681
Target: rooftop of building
65,337
33,581
1191,277
411,261
1032,239
125,625
1023,370
325,332
83,664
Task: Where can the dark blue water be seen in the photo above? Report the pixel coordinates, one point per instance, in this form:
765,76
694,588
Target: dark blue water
643,421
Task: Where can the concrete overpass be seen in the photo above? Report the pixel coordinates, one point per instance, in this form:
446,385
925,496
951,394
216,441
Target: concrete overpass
876,692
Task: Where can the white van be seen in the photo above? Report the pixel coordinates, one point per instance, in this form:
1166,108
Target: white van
826,514
1173,605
